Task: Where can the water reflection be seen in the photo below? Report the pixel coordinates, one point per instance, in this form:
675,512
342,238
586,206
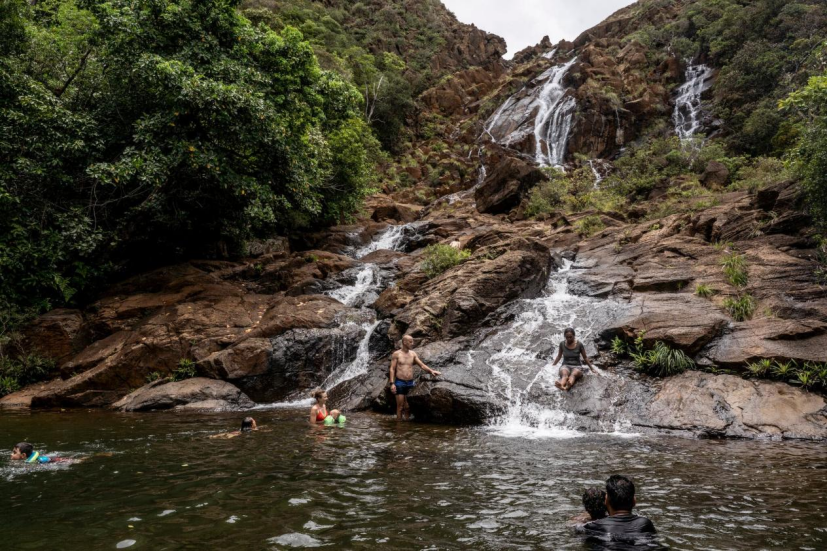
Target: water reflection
376,483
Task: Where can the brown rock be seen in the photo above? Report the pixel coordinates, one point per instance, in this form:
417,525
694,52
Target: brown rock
58,335
191,394
681,320
456,302
800,340
504,187
729,406
715,174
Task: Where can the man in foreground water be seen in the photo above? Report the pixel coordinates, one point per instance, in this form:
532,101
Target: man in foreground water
621,529
401,374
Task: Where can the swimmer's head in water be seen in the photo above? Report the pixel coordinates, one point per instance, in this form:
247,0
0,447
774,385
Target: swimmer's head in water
21,451
408,341
248,424
620,493
593,500
319,395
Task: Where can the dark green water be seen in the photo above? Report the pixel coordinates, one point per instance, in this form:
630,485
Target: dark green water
376,484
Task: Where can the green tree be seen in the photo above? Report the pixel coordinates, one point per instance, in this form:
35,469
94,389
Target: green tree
138,131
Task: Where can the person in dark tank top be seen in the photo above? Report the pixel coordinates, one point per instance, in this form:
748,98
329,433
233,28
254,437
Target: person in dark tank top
572,351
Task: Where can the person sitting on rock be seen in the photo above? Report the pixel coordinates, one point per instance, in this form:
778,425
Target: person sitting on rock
319,411
401,374
572,352
26,452
594,506
247,424
622,528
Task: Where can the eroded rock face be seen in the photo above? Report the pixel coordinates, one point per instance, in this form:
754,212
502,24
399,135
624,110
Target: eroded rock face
189,394
207,312
729,406
457,301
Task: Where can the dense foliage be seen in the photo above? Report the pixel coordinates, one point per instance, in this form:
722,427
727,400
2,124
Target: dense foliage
143,130
764,49
384,48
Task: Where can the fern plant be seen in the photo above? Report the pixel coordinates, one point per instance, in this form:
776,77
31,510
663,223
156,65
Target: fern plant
662,361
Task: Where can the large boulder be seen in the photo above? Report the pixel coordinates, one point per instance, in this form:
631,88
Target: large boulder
715,174
729,406
504,188
457,301
189,394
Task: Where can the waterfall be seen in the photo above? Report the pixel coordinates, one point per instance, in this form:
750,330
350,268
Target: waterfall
553,120
391,238
545,113
519,356
363,291
356,367
596,174
688,108
368,283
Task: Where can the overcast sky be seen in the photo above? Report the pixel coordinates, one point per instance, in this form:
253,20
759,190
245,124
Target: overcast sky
525,22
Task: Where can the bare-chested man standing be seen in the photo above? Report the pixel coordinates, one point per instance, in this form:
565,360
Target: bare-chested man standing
402,374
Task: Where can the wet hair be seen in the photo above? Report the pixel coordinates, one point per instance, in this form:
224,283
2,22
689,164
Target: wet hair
25,448
247,424
317,393
593,500
569,330
620,492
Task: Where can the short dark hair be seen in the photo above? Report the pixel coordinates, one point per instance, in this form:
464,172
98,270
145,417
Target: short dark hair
593,500
25,448
620,492
569,330
247,424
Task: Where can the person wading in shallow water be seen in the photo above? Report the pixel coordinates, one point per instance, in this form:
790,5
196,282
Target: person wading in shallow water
401,374
319,411
572,352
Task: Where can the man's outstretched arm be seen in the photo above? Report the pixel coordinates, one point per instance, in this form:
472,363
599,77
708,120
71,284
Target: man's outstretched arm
422,365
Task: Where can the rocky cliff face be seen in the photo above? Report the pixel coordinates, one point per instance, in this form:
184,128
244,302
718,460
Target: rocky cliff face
619,245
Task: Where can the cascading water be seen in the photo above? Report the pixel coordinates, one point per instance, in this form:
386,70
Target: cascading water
688,108
359,365
596,174
367,284
392,239
364,289
544,113
521,372
553,120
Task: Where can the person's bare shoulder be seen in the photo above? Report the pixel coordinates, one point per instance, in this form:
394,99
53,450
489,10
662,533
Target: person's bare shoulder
395,355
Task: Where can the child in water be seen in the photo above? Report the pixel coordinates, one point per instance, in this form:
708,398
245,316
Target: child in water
319,411
248,424
26,452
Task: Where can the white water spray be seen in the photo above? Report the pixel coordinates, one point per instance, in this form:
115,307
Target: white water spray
553,120
392,238
545,113
356,367
688,108
522,375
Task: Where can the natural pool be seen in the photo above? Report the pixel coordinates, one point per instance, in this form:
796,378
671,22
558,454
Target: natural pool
379,484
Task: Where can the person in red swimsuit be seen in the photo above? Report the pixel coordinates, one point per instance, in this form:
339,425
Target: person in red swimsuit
319,411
